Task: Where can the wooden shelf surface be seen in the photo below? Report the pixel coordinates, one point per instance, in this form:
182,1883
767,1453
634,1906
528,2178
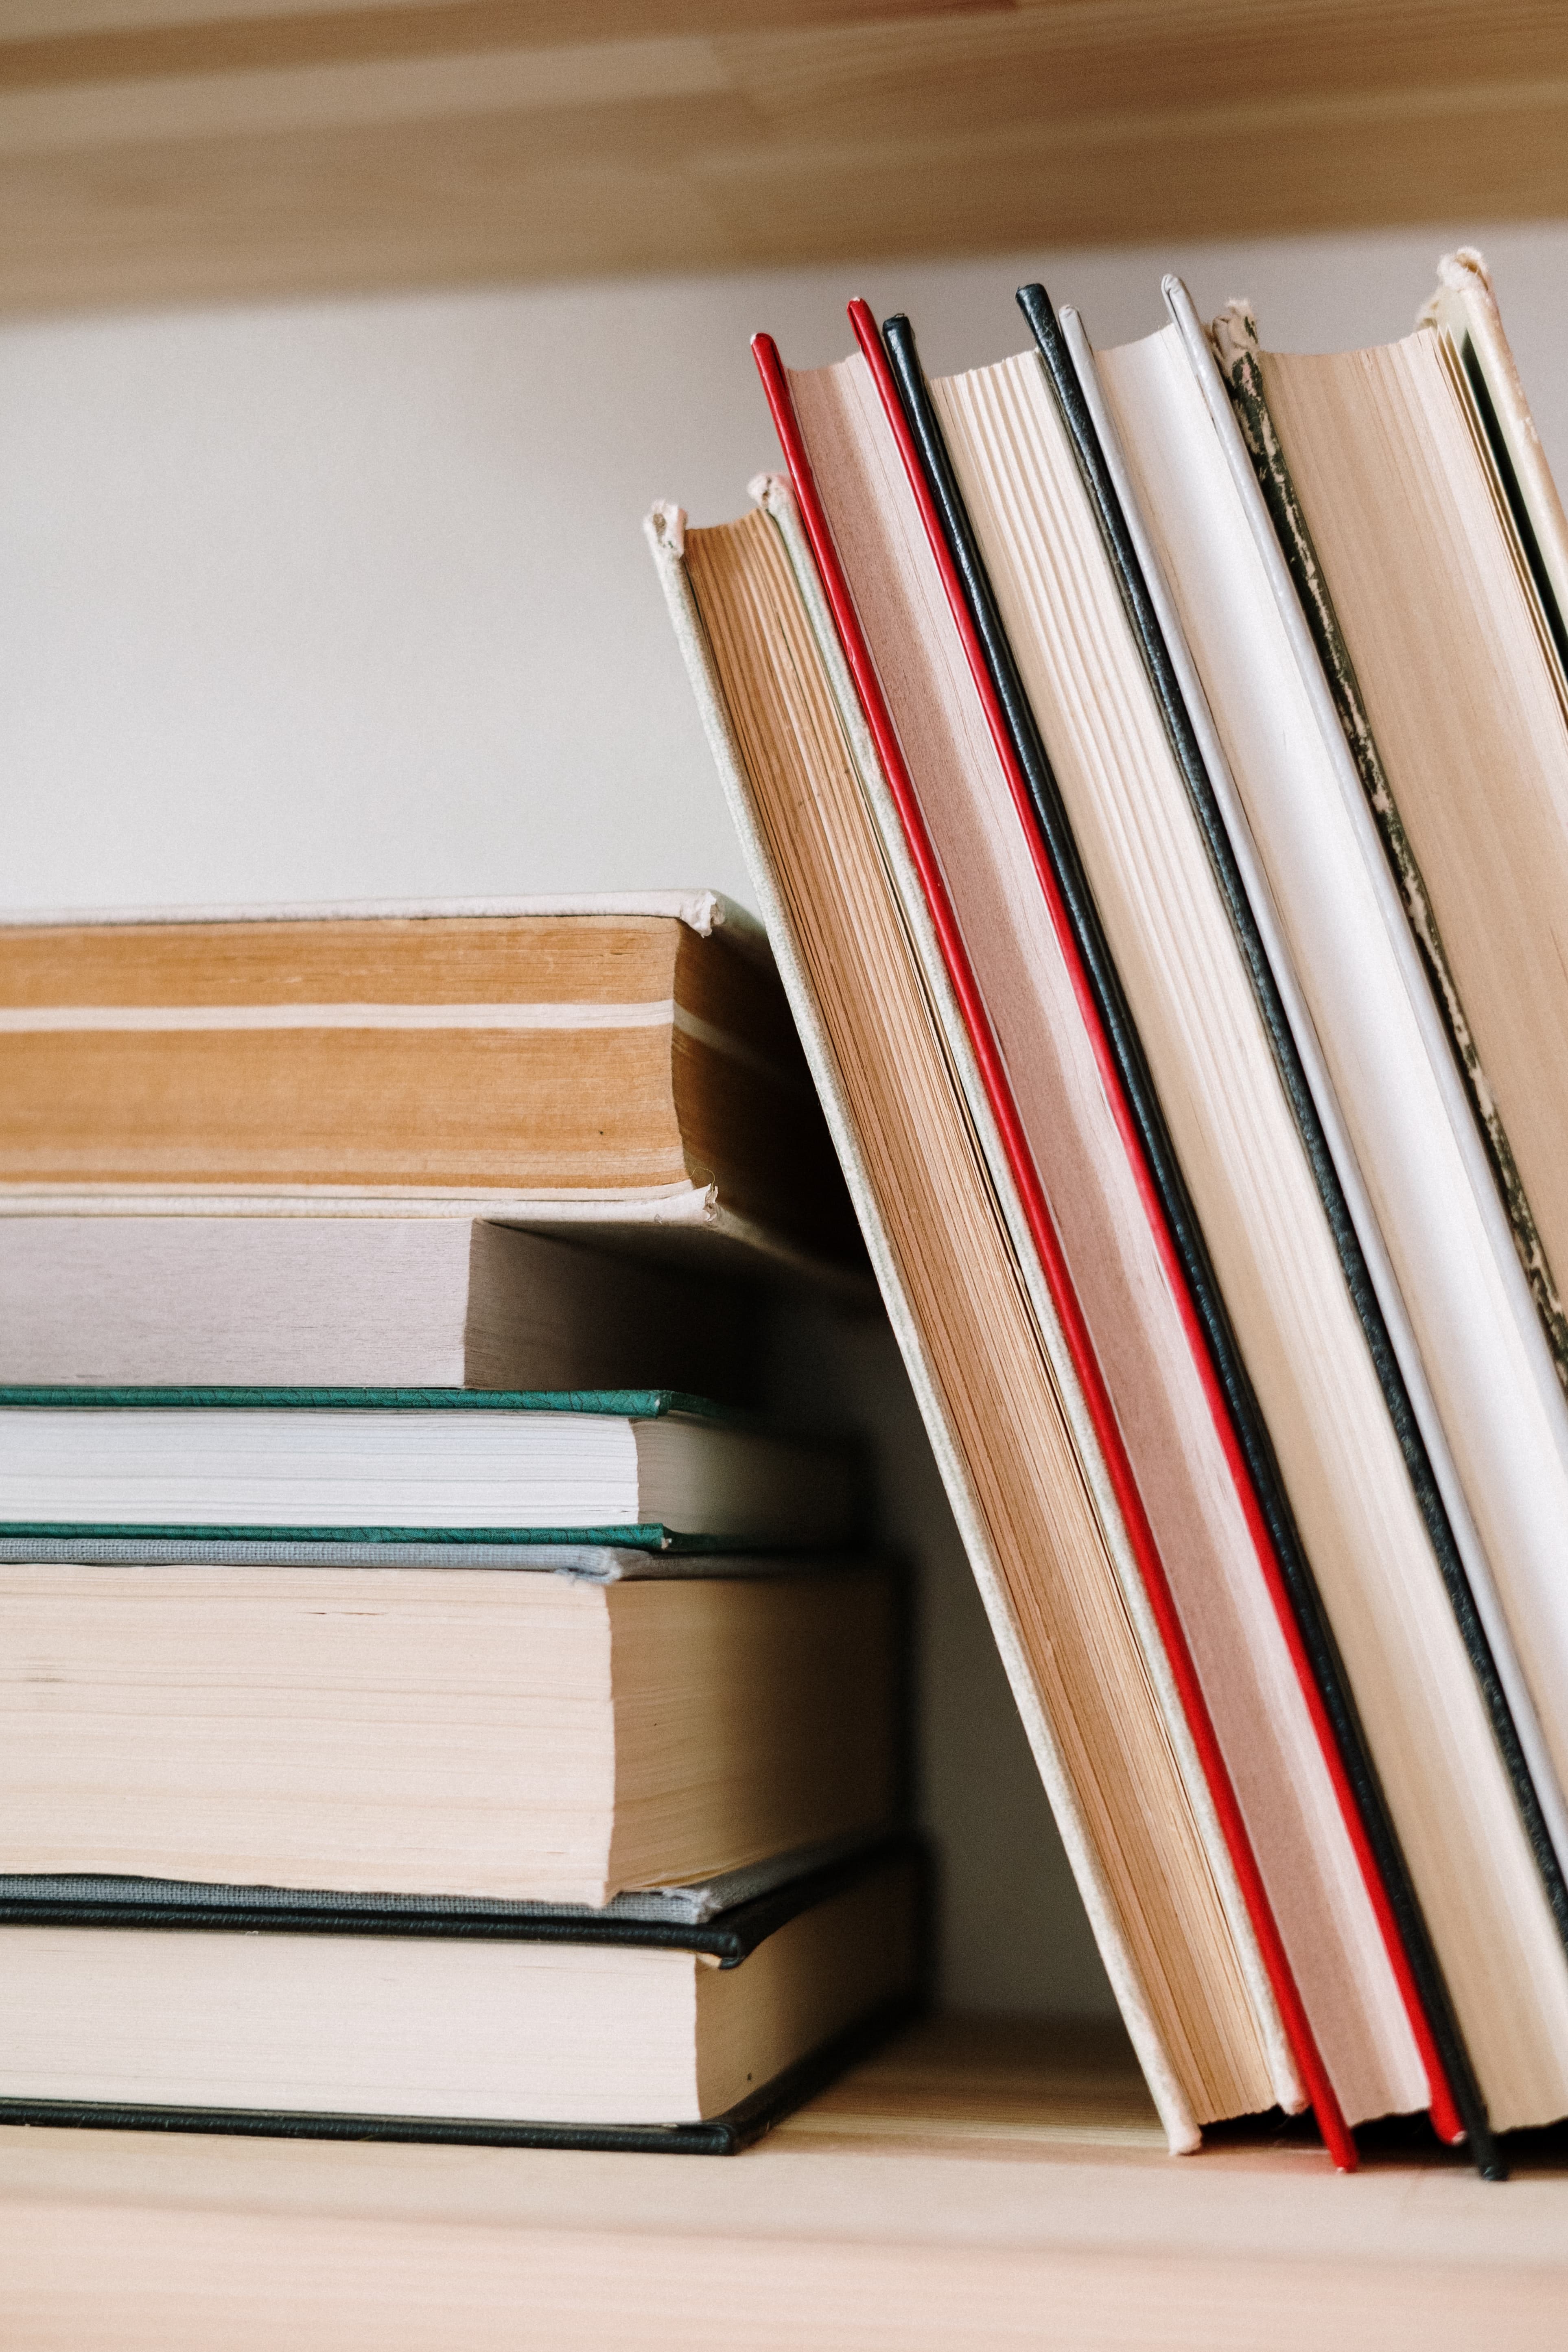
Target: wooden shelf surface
977,2184
172,150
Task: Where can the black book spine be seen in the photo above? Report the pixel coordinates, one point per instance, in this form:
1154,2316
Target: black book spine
1251,1429
1165,1169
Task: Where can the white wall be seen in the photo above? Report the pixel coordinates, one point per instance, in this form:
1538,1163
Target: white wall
349,599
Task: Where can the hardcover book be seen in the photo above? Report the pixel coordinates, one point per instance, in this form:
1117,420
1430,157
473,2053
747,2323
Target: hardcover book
468,1465
1293,811
273,1716
624,1063
496,2025
374,1302
1370,1539
1430,664
1297,1758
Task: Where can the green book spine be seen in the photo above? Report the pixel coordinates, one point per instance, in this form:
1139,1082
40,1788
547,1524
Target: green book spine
618,1404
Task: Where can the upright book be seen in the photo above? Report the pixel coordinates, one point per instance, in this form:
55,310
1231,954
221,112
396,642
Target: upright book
1401,1140
1316,1743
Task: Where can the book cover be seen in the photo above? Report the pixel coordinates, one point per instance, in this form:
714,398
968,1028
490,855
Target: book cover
1235,341
1234,392
834,1458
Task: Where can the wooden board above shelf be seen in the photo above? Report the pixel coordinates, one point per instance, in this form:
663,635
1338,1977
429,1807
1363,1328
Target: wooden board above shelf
161,150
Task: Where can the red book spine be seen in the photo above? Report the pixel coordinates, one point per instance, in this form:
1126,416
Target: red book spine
1021,1164
1445,2115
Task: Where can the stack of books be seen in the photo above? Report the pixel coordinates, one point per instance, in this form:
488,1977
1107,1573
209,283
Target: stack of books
1153,767
433,1707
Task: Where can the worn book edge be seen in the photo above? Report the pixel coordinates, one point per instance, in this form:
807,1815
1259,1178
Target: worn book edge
1464,310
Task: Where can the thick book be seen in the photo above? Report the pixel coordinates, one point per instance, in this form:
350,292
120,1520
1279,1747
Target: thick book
999,1389
1445,711
644,1467
496,2025
384,1302
1438,633
1254,1611
1304,1305
471,1730
625,1065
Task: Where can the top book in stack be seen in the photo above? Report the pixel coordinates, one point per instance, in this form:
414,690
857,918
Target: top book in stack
625,1066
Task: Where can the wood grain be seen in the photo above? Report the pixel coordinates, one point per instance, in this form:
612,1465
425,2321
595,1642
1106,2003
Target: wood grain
155,150
964,2194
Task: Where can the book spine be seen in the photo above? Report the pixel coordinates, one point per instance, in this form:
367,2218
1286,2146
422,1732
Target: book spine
1458,2108
918,432
666,529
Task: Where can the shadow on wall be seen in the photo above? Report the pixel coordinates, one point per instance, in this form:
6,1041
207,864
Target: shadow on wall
1013,1935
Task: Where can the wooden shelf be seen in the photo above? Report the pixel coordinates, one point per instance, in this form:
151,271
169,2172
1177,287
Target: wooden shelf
168,150
978,2184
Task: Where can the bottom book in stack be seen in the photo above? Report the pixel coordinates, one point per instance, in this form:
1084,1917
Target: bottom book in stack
685,2021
